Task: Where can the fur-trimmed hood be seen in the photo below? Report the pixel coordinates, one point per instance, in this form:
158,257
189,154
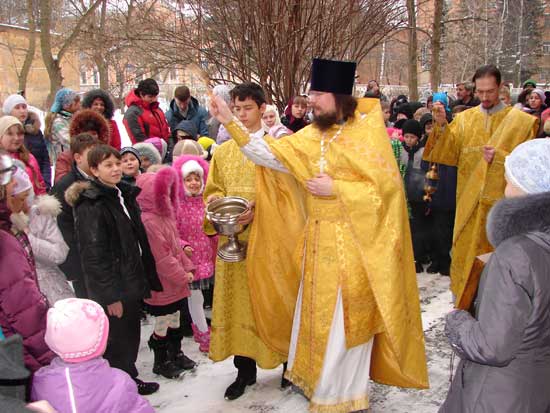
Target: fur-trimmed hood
32,124
92,95
47,205
87,119
72,194
179,166
159,192
517,216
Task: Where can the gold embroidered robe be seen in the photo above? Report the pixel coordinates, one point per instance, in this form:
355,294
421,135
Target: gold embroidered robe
233,326
357,241
479,184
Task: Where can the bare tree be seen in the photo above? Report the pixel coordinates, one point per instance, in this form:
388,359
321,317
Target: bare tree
435,66
53,53
272,42
412,51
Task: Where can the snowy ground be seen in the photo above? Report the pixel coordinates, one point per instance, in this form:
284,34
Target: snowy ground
202,390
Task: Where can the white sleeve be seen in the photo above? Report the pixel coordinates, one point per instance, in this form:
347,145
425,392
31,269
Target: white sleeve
258,151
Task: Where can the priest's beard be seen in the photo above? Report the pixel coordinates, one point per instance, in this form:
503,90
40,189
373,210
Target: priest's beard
325,121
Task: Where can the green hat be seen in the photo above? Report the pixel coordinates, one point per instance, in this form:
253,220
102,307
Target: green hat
529,82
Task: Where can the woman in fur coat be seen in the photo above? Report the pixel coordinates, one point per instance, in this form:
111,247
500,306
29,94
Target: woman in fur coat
504,348
193,171
48,246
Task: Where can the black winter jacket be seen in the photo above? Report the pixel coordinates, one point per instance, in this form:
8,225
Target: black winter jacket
65,221
114,250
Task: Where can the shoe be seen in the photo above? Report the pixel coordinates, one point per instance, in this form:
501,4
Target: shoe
237,388
284,382
204,344
146,388
164,364
419,268
433,268
445,271
174,351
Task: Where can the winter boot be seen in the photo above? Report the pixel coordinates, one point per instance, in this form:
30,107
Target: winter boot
197,335
146,388
204,344
163,363
174,351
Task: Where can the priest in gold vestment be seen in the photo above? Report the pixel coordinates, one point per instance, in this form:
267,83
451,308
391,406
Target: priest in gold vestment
234,330
357,312
477,142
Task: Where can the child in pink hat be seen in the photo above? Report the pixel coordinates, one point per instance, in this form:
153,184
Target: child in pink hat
80,379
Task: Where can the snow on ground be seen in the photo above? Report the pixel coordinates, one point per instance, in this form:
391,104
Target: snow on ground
202,391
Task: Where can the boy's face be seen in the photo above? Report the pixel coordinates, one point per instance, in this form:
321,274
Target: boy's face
249,113
193,184
181,135
109,171
81,160
130,165
410,139
149,98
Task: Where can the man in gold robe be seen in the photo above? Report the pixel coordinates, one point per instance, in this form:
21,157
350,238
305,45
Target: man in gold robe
477,142
357,310
234,331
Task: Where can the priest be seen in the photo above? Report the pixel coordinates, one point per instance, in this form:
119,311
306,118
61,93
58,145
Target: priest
357,311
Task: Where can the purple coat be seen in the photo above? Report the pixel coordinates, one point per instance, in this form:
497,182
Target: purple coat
23,308
113,390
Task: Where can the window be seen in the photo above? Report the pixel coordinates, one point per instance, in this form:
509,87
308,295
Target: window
425,56
546,48
83,76
96,77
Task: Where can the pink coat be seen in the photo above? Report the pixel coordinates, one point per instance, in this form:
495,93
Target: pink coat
190,223
159,202
33,170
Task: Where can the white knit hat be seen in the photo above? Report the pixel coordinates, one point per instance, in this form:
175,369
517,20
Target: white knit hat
11,102
22,181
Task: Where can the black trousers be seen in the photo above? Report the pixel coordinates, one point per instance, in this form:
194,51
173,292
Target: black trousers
441,236
246,367
80,289
124,336
420,227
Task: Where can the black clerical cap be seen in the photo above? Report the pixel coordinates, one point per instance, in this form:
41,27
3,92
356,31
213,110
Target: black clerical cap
332,76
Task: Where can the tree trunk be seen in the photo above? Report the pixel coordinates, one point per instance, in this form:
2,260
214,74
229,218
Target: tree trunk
52,65
29,56
435,66
413,72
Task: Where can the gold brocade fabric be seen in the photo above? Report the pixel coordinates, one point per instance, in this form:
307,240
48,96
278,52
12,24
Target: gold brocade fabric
233,327
479,184
359,241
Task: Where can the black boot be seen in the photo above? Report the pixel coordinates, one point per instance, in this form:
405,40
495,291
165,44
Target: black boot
284,382
433,268
175,353
237,388
163,363
419,268
146,388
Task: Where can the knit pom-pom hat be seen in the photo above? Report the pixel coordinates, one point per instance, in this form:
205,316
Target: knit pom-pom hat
77,330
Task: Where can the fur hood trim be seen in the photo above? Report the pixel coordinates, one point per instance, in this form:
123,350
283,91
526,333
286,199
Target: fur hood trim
516,216
86,118
32,124
159,192
92,95
47,205
179,165
72,194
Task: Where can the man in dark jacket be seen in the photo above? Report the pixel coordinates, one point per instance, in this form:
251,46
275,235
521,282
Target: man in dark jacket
80,146
465,93
186,107
144,119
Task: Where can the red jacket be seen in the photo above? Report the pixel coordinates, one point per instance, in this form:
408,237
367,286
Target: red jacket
143,121
115,135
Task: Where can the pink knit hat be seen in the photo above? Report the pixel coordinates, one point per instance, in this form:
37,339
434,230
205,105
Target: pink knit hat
77,330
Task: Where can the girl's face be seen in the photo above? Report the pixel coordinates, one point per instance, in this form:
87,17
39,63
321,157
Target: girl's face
534,101
109,171
410,139
18,203
299,110
12,139
98,105
193,184
21,112
269,119
130,165
145,163
387,114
